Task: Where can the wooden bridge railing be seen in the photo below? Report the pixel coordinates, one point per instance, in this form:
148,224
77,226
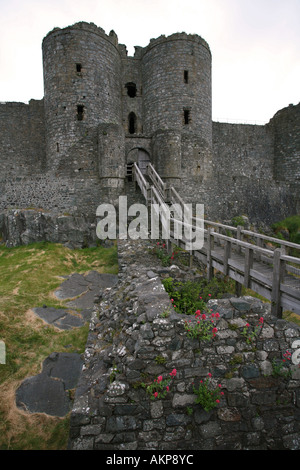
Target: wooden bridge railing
141,181
254,260
156,180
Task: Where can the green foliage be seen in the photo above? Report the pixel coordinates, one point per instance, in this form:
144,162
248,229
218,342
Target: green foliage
188,297
207,396
292,225
205,327
161,252
238,220
249,334
160,386
280,368
160,360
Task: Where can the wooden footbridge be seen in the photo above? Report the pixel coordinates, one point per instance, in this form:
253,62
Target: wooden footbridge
258,262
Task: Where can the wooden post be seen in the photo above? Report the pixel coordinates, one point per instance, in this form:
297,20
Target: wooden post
259,243
239,237
227,253
248,266
238,289
278,267
210,240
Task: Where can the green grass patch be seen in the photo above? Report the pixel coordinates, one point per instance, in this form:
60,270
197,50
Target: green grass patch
291,225
29,275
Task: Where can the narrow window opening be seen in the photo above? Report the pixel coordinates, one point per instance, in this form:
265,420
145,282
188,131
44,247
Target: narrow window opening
78,68
186,116
131,89
186,76
57,146
132,123
80,109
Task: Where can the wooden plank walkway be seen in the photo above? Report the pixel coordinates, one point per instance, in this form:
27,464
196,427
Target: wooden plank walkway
253,260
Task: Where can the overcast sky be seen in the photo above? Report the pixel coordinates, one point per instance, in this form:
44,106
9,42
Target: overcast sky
255,45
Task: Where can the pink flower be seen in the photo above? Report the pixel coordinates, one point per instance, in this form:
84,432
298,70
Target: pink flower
217,315
222,393
200,297
203,316
247,325
261,320
167,387
209,295
159,379
217,401
172,300
155,394
209,374
197,313
214,330
219,385
157,243
173,373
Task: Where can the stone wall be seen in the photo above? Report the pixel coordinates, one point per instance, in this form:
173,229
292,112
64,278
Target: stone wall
136,336
22,227
22,139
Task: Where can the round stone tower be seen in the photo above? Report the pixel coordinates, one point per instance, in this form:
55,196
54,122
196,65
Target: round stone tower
82,69
177,84
177,100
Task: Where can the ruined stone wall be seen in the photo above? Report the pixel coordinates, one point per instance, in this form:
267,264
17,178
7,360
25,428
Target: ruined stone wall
22,138
22,149
241,175
135,336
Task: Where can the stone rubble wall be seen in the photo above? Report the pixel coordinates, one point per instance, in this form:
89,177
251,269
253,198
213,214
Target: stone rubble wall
130,342
21,227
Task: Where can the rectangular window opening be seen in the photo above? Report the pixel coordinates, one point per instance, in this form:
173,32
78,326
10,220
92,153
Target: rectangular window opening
80,109
78,68
186,76
186,116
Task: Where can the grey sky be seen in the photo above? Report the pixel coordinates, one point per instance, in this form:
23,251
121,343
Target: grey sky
255,45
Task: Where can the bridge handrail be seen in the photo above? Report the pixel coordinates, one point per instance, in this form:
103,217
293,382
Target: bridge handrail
280,294
156,180
240,230
140,179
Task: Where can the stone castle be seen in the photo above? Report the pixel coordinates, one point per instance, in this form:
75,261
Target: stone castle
103,110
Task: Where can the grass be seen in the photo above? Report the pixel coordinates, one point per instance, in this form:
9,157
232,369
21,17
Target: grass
29,275
291,225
